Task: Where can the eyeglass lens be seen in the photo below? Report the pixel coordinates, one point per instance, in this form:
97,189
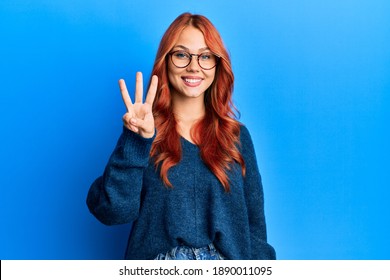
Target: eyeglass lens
206,60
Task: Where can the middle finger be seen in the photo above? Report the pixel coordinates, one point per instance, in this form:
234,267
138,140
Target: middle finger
139,87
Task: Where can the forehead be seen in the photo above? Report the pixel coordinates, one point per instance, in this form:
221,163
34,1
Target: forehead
191,38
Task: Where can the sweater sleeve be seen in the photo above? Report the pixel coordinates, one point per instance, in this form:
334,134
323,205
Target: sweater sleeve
260,249
114,197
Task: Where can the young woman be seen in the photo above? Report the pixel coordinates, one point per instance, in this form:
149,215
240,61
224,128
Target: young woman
184,169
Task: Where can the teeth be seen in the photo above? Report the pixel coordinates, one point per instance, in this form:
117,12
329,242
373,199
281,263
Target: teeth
192,80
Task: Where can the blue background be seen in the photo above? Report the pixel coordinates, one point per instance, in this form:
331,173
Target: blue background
312,85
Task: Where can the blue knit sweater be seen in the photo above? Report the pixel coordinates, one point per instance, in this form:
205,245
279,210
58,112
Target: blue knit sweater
195,212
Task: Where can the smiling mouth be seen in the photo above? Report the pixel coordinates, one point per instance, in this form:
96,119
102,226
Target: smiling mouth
192,81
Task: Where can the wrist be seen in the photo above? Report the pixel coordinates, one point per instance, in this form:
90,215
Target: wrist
147,135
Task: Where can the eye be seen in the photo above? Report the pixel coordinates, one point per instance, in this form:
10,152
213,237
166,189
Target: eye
206,56
181,55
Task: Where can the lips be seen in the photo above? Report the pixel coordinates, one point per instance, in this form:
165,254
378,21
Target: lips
192,81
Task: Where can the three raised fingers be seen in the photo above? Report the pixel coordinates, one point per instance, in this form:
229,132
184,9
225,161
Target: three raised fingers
138,91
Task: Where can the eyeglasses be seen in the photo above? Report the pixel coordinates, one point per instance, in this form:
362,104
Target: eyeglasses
182,59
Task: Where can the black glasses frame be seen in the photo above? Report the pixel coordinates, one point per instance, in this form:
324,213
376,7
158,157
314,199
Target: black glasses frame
191,55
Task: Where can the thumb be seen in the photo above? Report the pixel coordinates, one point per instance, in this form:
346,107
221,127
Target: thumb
146,130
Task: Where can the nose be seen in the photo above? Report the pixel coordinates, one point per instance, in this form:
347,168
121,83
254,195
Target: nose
194,65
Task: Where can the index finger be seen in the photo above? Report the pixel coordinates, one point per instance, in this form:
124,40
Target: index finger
152,90
125,95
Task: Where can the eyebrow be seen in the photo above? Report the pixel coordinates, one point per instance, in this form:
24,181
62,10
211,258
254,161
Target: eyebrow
187,49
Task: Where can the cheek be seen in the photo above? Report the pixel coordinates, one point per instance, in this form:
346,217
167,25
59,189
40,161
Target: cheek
172,73
174,79
211,76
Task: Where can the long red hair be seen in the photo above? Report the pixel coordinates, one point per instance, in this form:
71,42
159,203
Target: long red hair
217,134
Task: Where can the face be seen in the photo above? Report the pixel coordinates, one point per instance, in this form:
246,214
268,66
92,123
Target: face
191,81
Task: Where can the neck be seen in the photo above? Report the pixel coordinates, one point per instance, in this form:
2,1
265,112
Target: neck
187,112
188,109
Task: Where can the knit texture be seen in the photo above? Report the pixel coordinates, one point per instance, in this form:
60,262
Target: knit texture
195,212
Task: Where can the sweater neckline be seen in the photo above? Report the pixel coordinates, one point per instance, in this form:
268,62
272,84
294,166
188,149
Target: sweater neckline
188,142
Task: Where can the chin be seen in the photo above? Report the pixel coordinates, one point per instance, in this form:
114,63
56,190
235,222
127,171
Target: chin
194,94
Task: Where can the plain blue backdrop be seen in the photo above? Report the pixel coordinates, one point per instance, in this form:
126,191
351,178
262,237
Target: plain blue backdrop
312,85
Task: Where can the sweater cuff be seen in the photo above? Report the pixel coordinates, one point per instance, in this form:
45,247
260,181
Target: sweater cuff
128,133
136,146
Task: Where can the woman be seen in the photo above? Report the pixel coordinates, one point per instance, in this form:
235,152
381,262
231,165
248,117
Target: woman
184,169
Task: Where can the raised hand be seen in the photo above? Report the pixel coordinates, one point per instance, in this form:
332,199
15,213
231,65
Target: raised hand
139,116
